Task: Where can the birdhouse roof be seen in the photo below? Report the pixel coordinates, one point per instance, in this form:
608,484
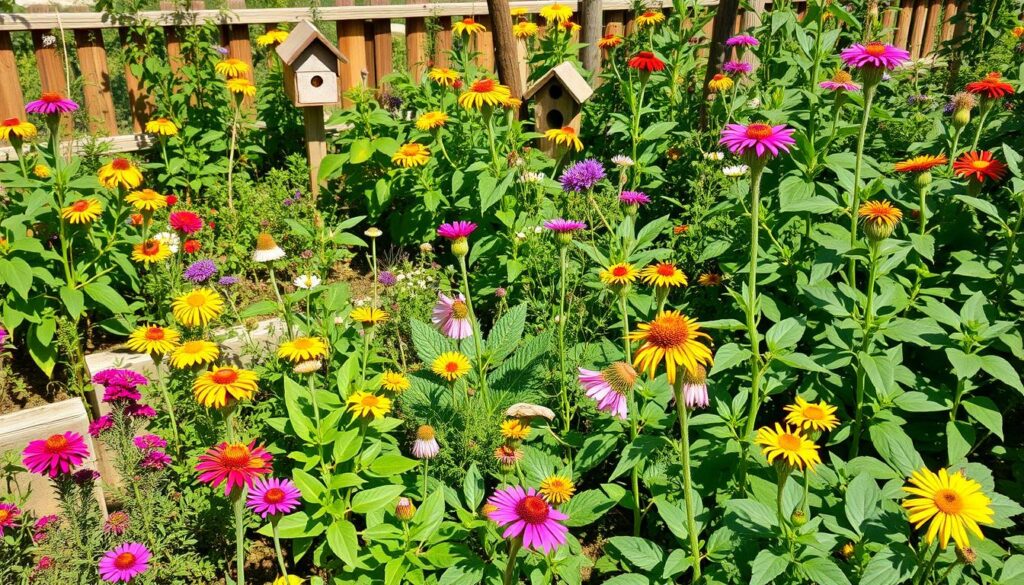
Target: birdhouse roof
569,77
300,38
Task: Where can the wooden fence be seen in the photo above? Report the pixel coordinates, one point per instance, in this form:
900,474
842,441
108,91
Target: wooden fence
364,36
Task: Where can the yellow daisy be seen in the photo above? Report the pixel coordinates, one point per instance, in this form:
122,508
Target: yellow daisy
557,489
951,502
146,200
394,382
411,155
368,405
619,274
241,86
150,251
556,13
215,388
119,172
195,353
524,29
515,430
161,127
153,340
302,349
443,76
82,211
17,128
789,445
663,274
565,136
672,337
369,316
197,308
468,26
272,37
649,18
818,417
431,120
232,67
720,82
451,365
484,92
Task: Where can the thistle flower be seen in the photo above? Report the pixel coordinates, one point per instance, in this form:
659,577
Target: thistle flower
200,271
737,67
582,176
741,41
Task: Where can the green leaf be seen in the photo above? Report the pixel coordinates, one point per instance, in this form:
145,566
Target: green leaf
258,309
896,447
985,411
641,447
74,301
360,151
392,464
959,440
428,342
638,552
310,486
473,488
657,130
428,517
341,537
1001,370
302,424
377,498
506,333
107,297
752,516
347,445
43,354
965,365
784,334
766,567
17,274
894,564
296,525
596,448
330,166
862,496
728,356
823,570
586,507
674,517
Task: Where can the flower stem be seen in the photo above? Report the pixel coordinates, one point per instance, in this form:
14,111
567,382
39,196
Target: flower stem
922,196
783,476
280,302
477,332
231,156
869,96
563,253
239,506
684,451
986,107
752,313
510,566
865,345
426,474
277,548
921,576
170,405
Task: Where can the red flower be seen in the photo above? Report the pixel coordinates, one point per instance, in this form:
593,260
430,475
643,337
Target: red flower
171,200
186,222
979,166
192,246
136,219
213,225
646,61
457,84
991,86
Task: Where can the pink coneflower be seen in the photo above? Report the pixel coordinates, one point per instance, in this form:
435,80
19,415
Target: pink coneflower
609,387
451,316
562,226
757,138
456,229
841,81
9,514
636,198
507,455
124,563
695,388
742,41
233,464
155,459
876,55
117,523
51,103
103,423
526,515
425,446
140,410
185,222
55,455
737,67
272,496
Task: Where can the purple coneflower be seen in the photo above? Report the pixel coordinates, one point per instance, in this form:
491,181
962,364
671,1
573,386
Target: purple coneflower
456,229
451,316
874,55
582,176
742,41
753,141
525,514
55,455
124,563
155,459
425,446
738,67
272,497
101,424
609,387
841,81
149,441
50,103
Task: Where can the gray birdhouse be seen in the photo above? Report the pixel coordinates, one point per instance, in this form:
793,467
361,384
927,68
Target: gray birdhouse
311,67
558,99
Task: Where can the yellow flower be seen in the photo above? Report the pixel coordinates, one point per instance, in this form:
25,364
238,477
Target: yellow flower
150,251
411,155
213,389
619,274
17,128
663,274
120,172
649,18
451,365
302,349
789,445
524,29
880,219
468,26
290,580
515,429
805,415
484,92
556,12
565,136
161,127
41,171
512,103
672,337
153,340
368,405
232,67
443,76
241,86
197,308
272,37
951,501
557,489
82,211
720,83
518,12
146,200
194,353
431,120
369,316
394,382
709,279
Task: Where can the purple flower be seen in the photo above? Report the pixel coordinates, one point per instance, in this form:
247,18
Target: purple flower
272,497
637,198
500,292
149,441
742,41
874,54
560,225
140,410
287,202
456,229
127,393
124,562
737,67
50,103
228,281
200,271
103,423
3,336
155,459
85,476
117,522
582,176
387,278
119,377
221,50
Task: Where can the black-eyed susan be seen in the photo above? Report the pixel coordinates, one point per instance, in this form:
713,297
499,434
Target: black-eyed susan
411,155
450,365
443,76
198,308
807,415
557,489
951,502
468,26
394,382
272,37
720,83
482,93
664,275
431,120
565,136
197,352
19,129
515,430
524,29
119,172
241,87
619,274
302,349
879,219
369,316
215,388
82,211
674,338
161,127
153,339
146,200
150,251
649,18
365,404
788,445
556,13
232,67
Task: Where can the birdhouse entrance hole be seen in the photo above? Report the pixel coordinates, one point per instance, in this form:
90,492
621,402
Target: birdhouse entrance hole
554,119
317,81
555,91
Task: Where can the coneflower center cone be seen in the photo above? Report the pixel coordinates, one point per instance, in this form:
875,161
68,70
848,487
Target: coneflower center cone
56,444
533,509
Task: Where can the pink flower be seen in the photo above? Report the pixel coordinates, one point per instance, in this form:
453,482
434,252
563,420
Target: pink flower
526,515
738,67
425,446
117,523
757,137
609,387
839,85
562,226
271,497
451,316
41,527
742,41
695,388
233,464
874,54
185,222
51,103
140,410
634,198
124,563
456,229
85,477
115,393
103,423
150,441
9,514
155,459
55,455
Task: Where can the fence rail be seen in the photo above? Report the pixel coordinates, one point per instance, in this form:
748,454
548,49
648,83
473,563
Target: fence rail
364,36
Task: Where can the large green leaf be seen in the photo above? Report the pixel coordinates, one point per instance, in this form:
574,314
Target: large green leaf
862,496
377,498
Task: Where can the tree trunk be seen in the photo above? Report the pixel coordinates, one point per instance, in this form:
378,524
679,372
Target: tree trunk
505,53
725,17
591,21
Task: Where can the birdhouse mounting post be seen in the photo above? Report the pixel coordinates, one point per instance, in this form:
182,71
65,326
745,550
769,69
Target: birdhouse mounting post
316,144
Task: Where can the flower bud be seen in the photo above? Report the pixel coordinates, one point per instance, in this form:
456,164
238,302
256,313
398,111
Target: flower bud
961,118
564,238
847,551
966,555
405,509
923,179
460,247
798,518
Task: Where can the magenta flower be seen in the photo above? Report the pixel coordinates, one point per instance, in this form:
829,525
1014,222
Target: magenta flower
140,410
839,85
526,515
563,226
456,229
272,497
56,455
84,477
634,198
604,387
117,523
155,459
103,423
124,563
451,316
742,41
185,222
116,393
51,103
757,137
874,54
150,441
41,528
9,514
738,67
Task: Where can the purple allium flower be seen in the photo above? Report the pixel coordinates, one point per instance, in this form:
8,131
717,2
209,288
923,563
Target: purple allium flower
742,41
637,198
200,271
582,176
149,441
50,103
387,278
228,281
456,229
737,67
155,459
560,225
287,202
103,423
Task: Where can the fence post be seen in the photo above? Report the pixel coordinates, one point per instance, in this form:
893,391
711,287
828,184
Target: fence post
138,102
351,44
591,15
12,101
903,23
382,53
443,42
917,40
748,20
48,59
485,44
371,56
721,28
947,19
930,28
505,46
416,47
99,101
236,40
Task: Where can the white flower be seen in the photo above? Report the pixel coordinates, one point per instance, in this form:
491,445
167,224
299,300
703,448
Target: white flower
306,281
169,239
400,276
715,156
538,229
532,177
735,171
754,103
520,236
621,160
49,40
359,302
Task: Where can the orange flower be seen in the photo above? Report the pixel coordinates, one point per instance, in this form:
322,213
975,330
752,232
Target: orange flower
991,87
674,338
610,41
979,166
919,164
880,219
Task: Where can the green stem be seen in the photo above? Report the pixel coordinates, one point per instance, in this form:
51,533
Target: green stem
280,302
804,504
986,107
426,474
277,548
869,96
231,155
373,246
868,322
481,364
567,414
510,565
752,313
921,576
366,355
239,506
684,450
922,196
169,403
783,477
954,147
1011,256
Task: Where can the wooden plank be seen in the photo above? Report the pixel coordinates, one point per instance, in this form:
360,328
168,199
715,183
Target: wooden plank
99,100
903,23
12,101
382,49
931,28
236,41
371,56
888,16
947,20
52,77
350,43
443,42
139,103
918,30
416,47
316,144
484,44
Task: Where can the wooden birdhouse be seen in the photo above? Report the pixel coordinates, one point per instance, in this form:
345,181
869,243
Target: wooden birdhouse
311,67
558,99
